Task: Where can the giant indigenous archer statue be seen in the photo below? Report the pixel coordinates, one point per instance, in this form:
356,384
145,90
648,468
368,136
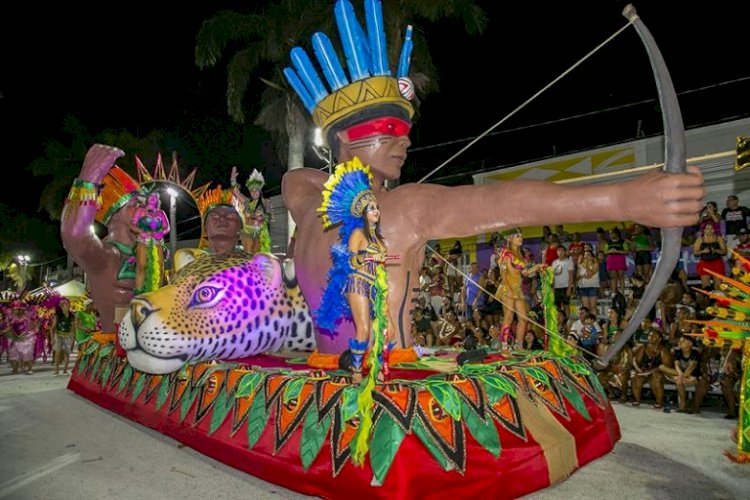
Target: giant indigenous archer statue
363,113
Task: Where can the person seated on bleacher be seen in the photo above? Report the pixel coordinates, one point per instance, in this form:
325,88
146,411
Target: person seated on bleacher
684,369
647,362
729,377
681,326
422,329
642,333
616,376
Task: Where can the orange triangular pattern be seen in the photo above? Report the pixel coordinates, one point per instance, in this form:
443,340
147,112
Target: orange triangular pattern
211,389
288,412
437,418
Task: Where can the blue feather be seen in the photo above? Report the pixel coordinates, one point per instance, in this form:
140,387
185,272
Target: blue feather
329,61
300,89
351,40
306,72
405,59
376,35
334,305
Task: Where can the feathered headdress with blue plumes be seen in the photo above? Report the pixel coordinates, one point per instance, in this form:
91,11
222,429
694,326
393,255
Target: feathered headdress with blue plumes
370,81
346,194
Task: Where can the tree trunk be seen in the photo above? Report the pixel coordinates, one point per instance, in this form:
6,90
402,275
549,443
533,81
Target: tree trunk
295,128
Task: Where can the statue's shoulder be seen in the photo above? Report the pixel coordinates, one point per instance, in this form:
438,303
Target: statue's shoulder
301,187
185,256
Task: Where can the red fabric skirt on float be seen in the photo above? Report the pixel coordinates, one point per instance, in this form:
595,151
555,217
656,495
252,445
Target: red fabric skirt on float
509,427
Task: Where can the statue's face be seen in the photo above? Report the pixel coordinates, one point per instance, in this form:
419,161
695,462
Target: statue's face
381,143
124,216
223,222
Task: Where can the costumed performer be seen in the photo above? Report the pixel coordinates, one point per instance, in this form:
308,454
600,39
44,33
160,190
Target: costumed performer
23,329
104,193
513,269
85,323
365,115
4,330
257,213
151,224
62,326
358,271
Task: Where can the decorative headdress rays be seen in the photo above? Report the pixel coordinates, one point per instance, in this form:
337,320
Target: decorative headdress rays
370,82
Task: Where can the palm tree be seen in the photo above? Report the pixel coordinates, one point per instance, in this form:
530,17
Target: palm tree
261,42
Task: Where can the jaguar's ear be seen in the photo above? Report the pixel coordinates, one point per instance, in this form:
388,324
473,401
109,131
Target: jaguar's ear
269,268
185,256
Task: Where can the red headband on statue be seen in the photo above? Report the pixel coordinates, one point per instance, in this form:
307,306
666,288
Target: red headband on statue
387,125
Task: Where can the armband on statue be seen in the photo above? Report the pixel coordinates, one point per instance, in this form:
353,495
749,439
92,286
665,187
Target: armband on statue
84,193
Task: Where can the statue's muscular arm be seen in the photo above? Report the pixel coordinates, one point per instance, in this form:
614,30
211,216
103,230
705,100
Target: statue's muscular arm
655,199
75,229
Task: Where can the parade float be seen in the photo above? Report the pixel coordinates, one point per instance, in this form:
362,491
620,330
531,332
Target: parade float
228,357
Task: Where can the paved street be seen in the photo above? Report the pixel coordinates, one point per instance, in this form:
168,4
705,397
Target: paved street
57,446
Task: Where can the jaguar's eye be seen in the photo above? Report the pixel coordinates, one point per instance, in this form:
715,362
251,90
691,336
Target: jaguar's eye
206,296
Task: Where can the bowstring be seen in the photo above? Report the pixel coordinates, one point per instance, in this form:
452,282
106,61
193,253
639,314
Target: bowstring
528,101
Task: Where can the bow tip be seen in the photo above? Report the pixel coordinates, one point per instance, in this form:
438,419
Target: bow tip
630,13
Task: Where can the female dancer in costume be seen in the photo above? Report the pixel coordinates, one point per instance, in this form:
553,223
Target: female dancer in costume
513,268
256,213
23,328
62,326
358,272
151,224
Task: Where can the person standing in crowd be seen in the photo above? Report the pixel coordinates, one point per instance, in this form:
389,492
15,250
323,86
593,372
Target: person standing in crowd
565,282
710,215
710,248
588,279
616,251
735,218
470,292
643,245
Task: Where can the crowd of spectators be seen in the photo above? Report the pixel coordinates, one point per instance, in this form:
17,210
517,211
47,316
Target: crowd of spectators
598,282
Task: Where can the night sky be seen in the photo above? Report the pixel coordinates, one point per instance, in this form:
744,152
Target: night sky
134,68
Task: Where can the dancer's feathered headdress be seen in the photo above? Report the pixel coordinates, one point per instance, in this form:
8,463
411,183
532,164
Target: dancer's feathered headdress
255,181
370,83
118,188
346,194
